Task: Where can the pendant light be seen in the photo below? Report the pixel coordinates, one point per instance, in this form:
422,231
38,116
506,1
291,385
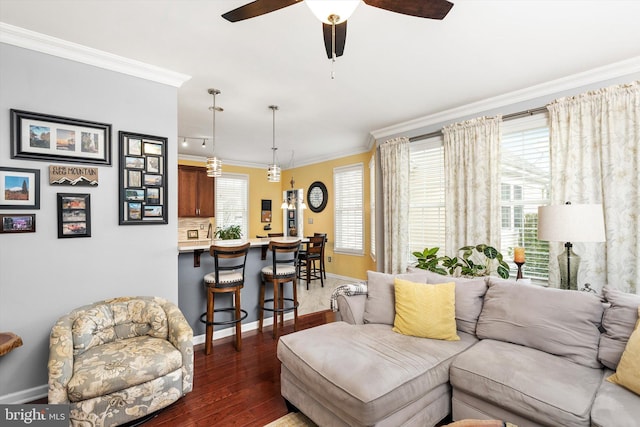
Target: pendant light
273,172
292,201
214,164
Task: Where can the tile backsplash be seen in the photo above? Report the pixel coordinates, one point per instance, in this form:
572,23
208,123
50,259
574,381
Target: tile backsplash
201,225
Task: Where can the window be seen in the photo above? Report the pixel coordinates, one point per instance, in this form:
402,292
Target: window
349,212
525,181
231,201
426,187
372,205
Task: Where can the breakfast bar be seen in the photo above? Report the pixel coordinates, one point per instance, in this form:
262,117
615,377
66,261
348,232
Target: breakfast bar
194,262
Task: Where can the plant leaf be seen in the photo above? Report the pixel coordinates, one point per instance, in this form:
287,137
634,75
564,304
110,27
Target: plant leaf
503,272
490,252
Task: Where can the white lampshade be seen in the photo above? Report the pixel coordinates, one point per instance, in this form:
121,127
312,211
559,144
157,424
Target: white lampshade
323,9
571,223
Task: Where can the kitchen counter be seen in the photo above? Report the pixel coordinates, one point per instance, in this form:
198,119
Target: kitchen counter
194,245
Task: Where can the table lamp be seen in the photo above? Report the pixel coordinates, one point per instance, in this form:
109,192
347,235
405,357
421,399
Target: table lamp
570,223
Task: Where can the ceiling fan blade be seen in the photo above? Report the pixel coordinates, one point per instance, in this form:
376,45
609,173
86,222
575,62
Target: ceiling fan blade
433,9
257,8
341,38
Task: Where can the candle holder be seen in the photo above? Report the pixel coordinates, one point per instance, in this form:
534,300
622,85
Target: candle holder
519,264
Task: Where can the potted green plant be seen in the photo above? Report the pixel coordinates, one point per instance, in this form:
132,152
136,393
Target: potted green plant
228,233
473,261
428,260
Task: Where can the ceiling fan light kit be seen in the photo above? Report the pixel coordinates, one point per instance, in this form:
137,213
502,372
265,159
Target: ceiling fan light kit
332,11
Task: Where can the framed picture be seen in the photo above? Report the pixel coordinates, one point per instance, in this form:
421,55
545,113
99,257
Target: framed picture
192,234
143,179
133,162
134,211
153,196
135,179
133,194
74,215
17,223
153,164
37,136
19,188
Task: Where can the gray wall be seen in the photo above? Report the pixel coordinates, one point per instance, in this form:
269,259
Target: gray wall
43,277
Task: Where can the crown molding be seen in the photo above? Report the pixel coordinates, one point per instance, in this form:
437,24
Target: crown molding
607,72
307,162
38,42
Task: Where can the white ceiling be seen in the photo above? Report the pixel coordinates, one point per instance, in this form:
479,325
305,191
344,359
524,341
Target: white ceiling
395,68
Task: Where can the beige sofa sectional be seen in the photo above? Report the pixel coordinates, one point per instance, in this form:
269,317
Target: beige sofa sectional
528,355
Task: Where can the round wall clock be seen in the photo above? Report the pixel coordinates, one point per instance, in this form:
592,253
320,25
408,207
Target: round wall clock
317,196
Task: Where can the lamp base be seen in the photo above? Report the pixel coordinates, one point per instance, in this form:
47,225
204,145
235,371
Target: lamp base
569,263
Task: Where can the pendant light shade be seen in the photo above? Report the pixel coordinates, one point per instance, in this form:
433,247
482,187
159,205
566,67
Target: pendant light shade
273,172
214,164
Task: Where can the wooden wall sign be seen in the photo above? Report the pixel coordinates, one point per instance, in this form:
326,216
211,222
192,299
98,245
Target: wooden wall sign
73,175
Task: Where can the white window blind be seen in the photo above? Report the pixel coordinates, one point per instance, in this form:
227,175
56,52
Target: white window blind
426,190
231,201
349,209
372,205
525,182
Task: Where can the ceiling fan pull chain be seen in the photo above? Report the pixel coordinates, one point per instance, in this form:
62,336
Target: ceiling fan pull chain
333,19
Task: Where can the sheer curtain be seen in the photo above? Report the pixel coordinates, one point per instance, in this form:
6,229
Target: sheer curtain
472,182
595,158
394,160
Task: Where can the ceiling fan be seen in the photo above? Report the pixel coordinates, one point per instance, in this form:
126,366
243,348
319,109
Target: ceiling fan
334,14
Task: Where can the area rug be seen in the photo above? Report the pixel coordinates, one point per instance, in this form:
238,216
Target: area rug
292,419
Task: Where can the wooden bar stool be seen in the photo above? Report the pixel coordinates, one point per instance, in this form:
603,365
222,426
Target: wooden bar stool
283,269
307,267
228,277
322,259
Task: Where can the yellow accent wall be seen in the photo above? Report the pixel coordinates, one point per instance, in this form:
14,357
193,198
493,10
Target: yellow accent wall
355,266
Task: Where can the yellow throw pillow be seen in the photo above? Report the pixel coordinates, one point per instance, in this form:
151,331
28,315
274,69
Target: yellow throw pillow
426,311
628,372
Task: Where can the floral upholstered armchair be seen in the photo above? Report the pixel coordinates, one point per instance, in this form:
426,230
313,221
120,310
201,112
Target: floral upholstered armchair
117,360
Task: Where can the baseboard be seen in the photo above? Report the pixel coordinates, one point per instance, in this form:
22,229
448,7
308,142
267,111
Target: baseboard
24,396
348,279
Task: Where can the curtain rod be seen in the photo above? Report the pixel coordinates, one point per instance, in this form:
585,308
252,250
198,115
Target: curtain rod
506,117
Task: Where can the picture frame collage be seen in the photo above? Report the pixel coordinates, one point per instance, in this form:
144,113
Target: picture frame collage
143,179
50,138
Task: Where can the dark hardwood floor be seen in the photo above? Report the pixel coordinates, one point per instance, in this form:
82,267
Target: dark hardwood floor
233,388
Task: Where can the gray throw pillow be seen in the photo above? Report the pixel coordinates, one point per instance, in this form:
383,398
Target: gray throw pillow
618,322
560,322
380,306
469,299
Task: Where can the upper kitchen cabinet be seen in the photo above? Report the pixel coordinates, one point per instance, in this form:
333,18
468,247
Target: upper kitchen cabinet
196,192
